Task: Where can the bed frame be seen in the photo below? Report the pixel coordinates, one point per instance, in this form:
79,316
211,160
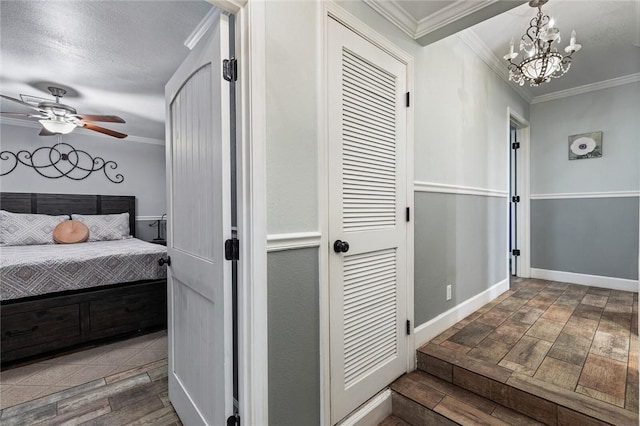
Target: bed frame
42,325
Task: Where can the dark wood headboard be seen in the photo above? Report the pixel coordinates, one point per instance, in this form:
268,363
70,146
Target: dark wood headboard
55,204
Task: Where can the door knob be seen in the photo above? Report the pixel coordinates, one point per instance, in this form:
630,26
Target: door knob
341,246
163,261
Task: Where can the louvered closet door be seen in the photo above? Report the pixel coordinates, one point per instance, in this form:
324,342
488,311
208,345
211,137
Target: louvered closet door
367,138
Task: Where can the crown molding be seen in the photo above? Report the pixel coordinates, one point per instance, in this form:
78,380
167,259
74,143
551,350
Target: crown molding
448,15
203,26
395,14
35,125
606,84
470,38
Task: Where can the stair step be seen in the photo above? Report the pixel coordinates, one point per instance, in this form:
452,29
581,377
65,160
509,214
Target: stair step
421,399
513,391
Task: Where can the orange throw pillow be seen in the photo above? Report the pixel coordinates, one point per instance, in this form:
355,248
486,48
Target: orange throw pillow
70,232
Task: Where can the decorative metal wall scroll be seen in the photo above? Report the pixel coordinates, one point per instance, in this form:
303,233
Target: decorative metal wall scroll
60,160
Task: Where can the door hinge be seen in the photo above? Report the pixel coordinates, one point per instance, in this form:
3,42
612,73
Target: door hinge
515,199
232,249
515,145
408,215
515,252
233,420
230,69
408,99
408,327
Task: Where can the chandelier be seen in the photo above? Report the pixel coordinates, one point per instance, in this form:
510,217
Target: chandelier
541,62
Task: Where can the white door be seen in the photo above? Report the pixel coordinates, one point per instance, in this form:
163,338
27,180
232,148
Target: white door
198,180
367,201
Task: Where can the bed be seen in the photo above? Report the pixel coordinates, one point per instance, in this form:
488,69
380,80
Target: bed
56,297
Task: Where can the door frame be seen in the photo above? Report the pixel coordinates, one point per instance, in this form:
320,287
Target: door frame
330,10
523,183
252,227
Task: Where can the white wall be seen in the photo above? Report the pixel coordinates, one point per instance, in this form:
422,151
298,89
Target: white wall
292,74
142,165
615,112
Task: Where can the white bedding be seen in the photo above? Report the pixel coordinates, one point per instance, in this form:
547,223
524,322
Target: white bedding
40,269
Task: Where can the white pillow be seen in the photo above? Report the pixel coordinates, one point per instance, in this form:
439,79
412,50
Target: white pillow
24,229
104,227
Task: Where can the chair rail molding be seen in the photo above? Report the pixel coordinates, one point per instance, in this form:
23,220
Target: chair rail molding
293,241
457,189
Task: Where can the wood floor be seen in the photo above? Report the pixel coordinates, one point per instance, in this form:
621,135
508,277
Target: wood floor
120,384
576,346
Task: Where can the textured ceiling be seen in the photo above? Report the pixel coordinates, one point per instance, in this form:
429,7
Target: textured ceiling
606,29
114,57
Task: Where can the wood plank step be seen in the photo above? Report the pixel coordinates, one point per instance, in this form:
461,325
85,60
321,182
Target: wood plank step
542,401
393,421
422,399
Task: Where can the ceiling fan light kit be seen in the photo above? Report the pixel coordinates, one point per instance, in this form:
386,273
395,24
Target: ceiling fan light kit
541,61
60,119
58,125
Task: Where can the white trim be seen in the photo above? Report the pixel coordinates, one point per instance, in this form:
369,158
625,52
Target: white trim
252,206
141,218
203,26
415,29
606,84
430,329
395,14
449,14
323,215
34,125
457,189
584,279
523,266
368,33
292,241
371,413
471,39
570,195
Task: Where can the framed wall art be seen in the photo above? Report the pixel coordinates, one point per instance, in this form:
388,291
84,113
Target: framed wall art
585,145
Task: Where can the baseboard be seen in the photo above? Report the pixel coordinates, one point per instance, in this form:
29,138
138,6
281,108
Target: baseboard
430,329
584,279
371,413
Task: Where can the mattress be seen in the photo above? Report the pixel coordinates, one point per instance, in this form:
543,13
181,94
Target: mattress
51,268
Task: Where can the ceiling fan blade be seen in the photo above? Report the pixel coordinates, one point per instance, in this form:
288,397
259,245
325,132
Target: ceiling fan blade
20,102
109,132
45,132
18,114
102,118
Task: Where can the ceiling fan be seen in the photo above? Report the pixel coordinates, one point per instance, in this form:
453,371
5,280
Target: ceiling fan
57,118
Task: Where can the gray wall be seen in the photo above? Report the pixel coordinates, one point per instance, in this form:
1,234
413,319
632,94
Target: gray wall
294,338
587,236
594,236
141,164
613,111
459,240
